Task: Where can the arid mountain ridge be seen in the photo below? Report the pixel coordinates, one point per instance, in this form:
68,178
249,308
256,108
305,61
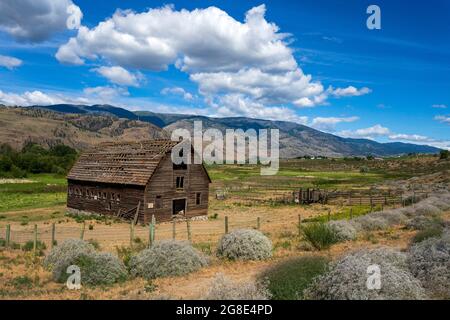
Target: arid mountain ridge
81,126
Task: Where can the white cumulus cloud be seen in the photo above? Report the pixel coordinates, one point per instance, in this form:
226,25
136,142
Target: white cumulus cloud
178,91
350,91
443,119
36,21
366,133
329,123
199,40
120,76
9,62
227,58
28,98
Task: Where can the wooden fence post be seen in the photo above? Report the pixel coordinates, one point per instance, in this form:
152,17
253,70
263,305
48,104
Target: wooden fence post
351,213
174,229
8,235
150,234
188,226
153,229
131,233
53,236
329,215
35,239
258,223
226,224
299,224
83,226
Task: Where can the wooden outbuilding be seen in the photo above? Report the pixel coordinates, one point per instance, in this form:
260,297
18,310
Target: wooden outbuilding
135,180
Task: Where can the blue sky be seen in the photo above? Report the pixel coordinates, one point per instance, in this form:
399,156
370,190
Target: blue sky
313,62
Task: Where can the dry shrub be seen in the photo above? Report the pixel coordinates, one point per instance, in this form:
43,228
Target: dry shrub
245,244
101,268
371,222
64,255
167,258
429,261
96,268
440,203
347,279
425,222
426,209
345,230
223,288
393,217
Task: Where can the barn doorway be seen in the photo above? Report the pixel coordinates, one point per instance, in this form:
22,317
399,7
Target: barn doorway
178,206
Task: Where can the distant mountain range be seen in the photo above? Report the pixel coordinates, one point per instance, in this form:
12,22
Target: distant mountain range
295,139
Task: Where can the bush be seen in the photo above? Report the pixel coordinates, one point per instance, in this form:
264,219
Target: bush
425,222
347,279
392,217
427,233
287,280
344,229
100,269
167,258
319,235
64,255
429,261
371,222
225,289
440,203
244,244
426,209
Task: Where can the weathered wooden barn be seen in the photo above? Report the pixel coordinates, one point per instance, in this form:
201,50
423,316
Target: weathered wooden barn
137,180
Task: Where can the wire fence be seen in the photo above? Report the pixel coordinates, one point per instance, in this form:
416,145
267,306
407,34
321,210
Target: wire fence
109,236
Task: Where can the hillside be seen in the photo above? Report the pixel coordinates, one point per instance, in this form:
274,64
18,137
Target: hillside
21,125
295,139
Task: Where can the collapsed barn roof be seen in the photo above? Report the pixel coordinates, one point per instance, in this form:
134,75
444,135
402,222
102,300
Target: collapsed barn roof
128,163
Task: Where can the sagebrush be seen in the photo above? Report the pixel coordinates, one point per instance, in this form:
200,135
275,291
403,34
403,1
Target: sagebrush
244,244
167,258
347,279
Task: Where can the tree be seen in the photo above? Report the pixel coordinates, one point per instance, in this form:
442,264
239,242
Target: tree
444,154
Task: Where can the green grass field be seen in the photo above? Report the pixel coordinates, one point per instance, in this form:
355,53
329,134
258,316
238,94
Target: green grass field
46,190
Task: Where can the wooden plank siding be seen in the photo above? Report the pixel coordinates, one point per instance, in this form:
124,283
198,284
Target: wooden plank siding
125,197
162,184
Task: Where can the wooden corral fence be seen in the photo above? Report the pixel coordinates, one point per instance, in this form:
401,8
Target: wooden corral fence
301,196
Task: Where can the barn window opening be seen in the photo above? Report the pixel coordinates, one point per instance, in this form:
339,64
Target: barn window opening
109,206
118,198
104,195
179,183
181,166
113,196
158,202
198,198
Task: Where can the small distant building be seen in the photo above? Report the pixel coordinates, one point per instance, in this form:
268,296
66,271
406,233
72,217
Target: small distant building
135,180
